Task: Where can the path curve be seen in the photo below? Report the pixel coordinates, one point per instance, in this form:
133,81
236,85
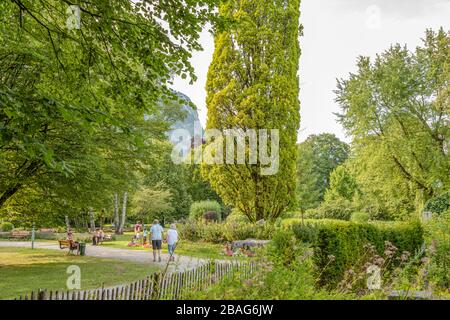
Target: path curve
181,262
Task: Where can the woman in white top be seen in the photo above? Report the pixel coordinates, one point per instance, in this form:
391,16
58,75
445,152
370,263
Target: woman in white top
172,238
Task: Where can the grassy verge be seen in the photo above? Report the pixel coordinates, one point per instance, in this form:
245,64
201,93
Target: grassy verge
23,270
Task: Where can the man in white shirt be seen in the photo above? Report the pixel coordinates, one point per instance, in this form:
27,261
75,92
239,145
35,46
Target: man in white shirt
172,238
157,235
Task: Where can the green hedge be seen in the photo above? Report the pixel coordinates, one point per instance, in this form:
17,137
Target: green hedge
199,208
346,240
224,232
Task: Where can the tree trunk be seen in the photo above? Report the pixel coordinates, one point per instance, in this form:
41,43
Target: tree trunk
67,222
116,213
91,219
124,212
85,220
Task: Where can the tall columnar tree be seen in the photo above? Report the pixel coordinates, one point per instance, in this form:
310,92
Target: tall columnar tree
253,84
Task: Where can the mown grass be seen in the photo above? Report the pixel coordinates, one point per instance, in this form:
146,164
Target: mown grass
23,270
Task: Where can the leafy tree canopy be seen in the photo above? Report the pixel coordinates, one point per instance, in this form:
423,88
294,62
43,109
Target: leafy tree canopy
318,156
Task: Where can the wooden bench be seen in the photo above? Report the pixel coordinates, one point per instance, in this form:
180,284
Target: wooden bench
19,235
69,244
47,230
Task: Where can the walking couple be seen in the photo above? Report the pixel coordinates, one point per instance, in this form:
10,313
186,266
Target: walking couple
157,232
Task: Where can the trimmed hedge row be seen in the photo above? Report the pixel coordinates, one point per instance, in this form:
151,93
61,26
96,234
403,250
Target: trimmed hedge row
222,232
345,241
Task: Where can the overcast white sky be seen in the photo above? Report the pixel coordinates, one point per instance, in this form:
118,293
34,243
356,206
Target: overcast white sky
336,32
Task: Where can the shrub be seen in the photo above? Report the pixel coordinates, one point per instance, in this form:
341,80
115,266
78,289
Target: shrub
438,242
236,217
190,231
338,208
6,227
211,216
305,232
199,208
359,217
439,203
344,242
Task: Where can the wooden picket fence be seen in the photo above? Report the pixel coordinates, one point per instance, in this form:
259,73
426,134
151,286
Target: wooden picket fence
158,286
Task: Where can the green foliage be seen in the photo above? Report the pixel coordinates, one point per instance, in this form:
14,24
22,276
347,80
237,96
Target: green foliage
198,188
72,102
236,217
306,232
221,232
149,202
6,226
437,235
199,208
342,185
337,208
340,245
253,84
339,197
396,110
439,203
318,156
359,216
171,177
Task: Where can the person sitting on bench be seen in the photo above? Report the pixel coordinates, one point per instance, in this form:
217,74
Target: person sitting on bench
74,244
95,237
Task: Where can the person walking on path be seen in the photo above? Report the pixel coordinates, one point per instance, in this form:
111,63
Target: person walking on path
172,239
156,232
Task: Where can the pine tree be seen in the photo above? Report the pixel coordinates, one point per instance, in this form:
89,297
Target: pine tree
253,84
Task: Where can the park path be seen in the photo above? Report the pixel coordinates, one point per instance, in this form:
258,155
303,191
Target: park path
181,262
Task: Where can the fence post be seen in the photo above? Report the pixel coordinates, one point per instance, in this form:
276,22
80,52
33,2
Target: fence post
156,283
212,270
42,294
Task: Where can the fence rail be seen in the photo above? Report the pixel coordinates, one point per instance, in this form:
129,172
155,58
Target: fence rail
158,286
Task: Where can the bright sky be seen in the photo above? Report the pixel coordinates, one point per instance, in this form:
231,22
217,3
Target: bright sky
336,32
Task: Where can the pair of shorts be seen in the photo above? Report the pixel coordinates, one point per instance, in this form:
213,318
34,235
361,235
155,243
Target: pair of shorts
156,244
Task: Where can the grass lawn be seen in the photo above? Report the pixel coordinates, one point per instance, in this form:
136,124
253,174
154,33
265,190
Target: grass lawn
187,248
23,270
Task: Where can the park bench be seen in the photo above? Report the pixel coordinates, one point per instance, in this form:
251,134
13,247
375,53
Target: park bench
47,230
69,244
19,234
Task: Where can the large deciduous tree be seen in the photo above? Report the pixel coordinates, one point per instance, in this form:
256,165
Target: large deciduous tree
252,84
398,106
72,100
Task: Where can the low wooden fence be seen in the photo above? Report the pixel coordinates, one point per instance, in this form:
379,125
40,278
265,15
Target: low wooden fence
158,286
